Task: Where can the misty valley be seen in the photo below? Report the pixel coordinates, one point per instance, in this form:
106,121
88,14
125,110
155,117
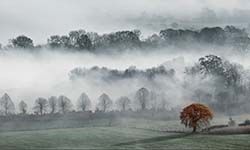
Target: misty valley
150,77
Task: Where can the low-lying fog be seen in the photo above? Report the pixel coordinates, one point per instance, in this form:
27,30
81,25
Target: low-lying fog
26,76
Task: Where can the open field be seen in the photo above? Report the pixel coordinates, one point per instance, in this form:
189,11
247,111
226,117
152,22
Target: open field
115,133
123,133
117,138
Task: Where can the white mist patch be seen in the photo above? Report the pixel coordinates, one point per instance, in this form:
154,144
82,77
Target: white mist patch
27,75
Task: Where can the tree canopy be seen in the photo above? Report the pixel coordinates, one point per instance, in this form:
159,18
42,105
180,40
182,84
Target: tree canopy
81,40
196,115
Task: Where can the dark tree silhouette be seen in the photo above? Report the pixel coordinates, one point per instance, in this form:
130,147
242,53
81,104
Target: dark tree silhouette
214,35
7,106
83,102
23,107
105,103
124,103
54,41
83,42
22,42
52,104
64,104
142,97
41,106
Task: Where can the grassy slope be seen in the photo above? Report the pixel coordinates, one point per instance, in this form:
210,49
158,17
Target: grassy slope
114,137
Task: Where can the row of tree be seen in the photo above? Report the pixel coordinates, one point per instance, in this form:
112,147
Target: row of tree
63,104
114,74
94,42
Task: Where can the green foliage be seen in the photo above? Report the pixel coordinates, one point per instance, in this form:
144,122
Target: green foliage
22,42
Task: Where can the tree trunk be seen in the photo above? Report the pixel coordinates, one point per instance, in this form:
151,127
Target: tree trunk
41,111
194,129
143,106
6,112
104,108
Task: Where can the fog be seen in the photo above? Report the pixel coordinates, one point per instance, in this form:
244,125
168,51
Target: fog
26,75
41,18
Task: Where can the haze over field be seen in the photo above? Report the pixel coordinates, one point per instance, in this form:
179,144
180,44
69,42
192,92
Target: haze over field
26,75
124,74
48,55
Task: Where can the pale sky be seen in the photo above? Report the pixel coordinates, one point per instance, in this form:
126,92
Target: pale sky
41,18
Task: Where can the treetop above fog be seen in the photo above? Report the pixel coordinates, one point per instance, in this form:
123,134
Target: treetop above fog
80,40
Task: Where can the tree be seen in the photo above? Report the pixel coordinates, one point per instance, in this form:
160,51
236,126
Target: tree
22,42
65,41
200,96
83,102
7,106
84,42
80,40
57,41
23,107
154,97
142,97
105,102
214,35
64,104
211,64
223,101
196,115
41,105
226,72
52,104
123,103
74,35
54,41
163,101
172,36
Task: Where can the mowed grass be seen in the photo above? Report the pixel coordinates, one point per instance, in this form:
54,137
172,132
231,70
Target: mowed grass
117,138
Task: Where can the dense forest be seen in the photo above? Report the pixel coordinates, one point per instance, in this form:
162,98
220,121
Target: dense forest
81,40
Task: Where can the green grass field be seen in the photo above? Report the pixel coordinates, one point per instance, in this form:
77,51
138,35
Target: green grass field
123,133
117,138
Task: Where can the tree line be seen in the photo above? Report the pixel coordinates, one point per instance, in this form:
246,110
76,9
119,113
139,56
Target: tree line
212,80
144,99
81,40
114,74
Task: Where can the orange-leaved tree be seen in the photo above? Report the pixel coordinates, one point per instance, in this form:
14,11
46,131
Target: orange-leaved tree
196,115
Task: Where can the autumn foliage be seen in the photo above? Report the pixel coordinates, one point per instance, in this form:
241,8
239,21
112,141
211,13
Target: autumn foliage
196,115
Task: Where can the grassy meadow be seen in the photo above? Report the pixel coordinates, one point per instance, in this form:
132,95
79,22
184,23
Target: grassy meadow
122,134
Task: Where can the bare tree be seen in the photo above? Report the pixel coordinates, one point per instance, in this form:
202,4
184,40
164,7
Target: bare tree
64,104
154,100
142,97
23,107
83,102
123,103
163,103
105,102
41,105
7,106
52,104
